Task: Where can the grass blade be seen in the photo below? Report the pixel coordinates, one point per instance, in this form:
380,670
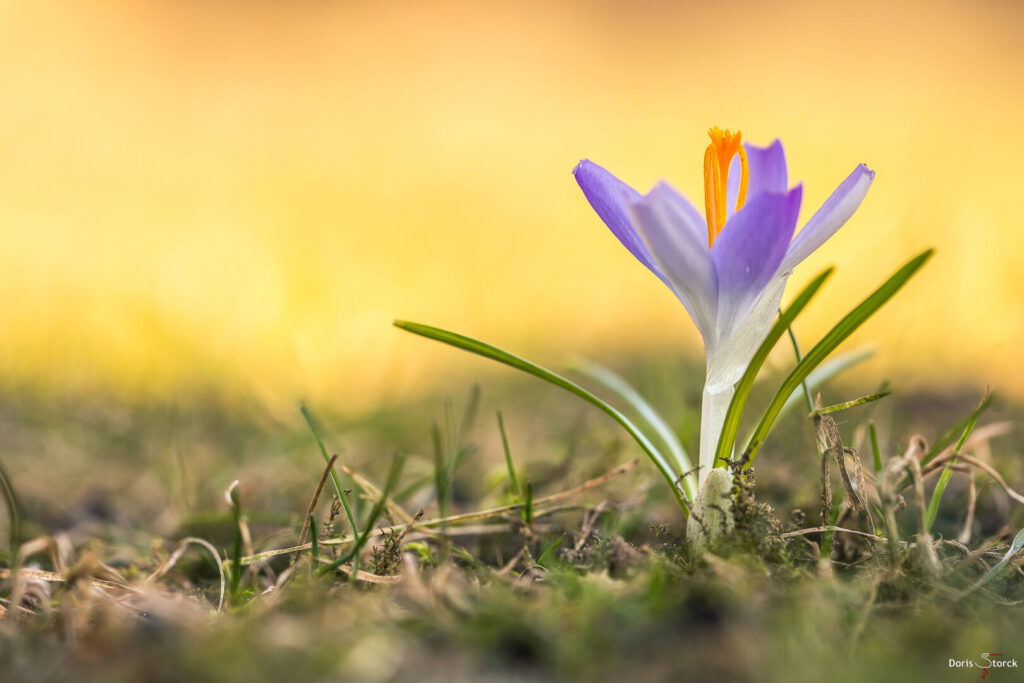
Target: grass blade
654,420
394,472
947,471
550,549
876,454
739,399
850,404
513,481
334,475
528,505
13,512
494,353
837,335
949,436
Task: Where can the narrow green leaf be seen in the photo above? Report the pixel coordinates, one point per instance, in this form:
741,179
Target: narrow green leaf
876,453
494,353
550,549
739,399
947,472
394,472
850,404
314,540
837,335
440,470
654,420
952,434
513,481
13,511
334,475
236,548
528,505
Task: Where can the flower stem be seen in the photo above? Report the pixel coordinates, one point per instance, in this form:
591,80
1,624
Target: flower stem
713,409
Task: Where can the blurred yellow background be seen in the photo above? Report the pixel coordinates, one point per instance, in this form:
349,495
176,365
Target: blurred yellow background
240,196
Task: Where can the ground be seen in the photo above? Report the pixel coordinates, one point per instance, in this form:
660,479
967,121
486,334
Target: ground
596,584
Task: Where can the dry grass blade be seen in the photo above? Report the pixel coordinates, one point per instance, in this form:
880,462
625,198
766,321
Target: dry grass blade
467,517
316,499
366,577
828,432
59,577
924,538
179,550
987,469
972,504
394,509
822,529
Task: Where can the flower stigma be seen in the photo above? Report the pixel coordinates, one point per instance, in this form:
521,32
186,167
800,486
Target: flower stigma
724,146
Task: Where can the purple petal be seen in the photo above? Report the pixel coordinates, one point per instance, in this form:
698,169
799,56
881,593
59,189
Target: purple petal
749,250
610,198
677,239
836,210
767,172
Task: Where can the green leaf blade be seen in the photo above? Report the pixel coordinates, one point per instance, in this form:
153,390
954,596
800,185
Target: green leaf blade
732,417
500,355
837,335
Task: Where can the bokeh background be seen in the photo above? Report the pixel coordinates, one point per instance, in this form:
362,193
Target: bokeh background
239,197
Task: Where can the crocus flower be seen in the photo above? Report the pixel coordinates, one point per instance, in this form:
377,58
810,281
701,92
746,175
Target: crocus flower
729,266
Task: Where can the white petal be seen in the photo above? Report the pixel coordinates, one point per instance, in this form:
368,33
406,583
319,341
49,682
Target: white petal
740,338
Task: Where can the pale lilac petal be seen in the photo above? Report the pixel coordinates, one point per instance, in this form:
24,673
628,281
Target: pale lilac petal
676,236
748,251
610,198
688,217
767,169
767,172
836,210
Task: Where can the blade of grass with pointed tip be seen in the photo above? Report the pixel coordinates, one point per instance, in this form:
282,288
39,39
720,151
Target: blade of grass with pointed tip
334,475
846,405
947,472
528,504
500,355
739,399
951,435
394,472
13,512
837,335
610,380
550,549
876,454
513,481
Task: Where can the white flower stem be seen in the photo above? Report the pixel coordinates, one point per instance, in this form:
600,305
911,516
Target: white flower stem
712,415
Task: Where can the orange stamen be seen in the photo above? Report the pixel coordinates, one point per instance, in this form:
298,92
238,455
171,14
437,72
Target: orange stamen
717,157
